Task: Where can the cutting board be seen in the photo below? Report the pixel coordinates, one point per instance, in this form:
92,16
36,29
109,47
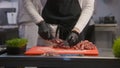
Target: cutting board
38,50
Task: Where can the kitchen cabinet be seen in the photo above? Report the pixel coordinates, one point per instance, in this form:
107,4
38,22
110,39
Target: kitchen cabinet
105,34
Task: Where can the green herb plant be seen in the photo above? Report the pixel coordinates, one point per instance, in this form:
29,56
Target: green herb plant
16,42
116,47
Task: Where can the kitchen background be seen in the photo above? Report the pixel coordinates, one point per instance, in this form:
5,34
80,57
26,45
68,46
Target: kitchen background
103,8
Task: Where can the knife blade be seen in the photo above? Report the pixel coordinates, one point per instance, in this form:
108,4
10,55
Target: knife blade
65,43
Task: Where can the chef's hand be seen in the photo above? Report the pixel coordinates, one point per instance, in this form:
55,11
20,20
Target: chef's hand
44,31
73,38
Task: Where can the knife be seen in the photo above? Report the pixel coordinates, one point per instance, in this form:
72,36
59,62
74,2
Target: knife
65,43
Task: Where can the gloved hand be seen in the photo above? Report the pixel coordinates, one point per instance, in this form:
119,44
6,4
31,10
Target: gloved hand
73,38
44,31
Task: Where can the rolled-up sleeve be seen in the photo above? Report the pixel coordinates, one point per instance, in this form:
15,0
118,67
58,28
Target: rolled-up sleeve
87,7
32,10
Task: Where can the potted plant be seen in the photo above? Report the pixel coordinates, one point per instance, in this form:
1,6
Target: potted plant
116,47
16,46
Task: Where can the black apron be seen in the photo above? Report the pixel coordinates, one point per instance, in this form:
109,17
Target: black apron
64,13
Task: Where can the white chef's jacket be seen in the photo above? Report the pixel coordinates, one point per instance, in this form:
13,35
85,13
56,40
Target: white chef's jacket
30,12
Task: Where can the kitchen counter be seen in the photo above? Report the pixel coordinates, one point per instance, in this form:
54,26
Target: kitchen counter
105,59
106,27
8,27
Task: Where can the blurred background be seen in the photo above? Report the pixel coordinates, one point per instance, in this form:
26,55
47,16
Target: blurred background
106,16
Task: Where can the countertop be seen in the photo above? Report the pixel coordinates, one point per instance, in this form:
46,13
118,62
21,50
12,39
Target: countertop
8,26
106,27
105,59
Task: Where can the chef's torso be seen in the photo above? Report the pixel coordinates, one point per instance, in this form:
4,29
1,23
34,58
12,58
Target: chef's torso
61,11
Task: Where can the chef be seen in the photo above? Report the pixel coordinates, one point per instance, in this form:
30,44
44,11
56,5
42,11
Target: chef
40,17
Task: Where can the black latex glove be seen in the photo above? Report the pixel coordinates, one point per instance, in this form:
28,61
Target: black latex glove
73,38
44,31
